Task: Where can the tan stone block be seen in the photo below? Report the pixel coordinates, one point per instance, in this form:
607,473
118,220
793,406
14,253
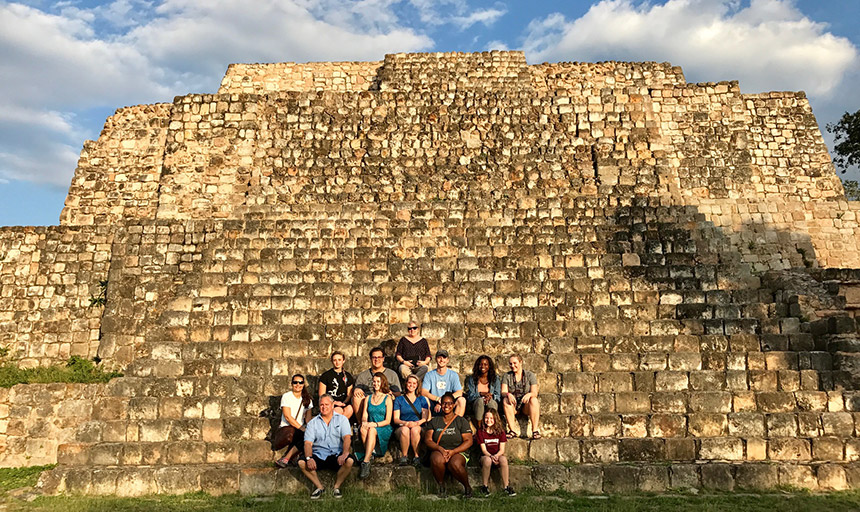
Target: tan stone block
707,424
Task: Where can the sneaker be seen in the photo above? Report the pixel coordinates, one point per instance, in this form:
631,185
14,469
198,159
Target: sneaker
364,472
467,494
510,490
417,462
485,490
317,494
336,493
404,461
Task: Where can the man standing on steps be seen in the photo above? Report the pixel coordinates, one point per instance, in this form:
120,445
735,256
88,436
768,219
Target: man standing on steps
328,438
364,381
440,381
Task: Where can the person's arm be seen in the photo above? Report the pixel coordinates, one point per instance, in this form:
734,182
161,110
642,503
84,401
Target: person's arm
347,442
364,409
425,390
504,391
533,390
398,354
307,417
431,444
388,408
471,389
458,388
289,417
501,449
425,413
348,395
495,390
465,445
483,447
393,382
396,418
425,361
321,388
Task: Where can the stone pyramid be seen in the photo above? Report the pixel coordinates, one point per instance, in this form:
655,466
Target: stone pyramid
674,260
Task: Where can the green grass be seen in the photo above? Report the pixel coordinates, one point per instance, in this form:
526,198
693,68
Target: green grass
14,478
410,501
78,370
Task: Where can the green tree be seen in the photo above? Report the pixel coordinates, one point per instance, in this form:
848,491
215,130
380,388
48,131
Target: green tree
847,140
852,190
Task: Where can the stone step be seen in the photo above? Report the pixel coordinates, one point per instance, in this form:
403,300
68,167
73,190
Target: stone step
581,478
550,450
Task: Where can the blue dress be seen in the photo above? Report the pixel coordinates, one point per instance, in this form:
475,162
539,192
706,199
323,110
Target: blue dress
376,413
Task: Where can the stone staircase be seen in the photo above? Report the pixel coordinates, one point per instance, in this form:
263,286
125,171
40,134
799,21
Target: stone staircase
650,340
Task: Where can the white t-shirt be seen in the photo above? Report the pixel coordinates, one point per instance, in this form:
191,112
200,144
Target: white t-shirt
295,404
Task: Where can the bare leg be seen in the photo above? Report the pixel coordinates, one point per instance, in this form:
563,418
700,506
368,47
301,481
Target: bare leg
510,412
416,439
486,466
457,467
343,472
460,407
311,475
290,453
368,435
437,466
403,434
358,402
532,410
503,469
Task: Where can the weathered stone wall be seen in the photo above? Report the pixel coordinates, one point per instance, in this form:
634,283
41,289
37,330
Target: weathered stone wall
35,419
548,77
47,276
118,175
291,76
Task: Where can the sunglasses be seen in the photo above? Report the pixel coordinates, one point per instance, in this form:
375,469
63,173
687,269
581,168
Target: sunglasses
411,328
298,382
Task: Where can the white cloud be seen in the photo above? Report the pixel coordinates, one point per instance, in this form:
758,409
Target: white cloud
768,45
61,59
484,16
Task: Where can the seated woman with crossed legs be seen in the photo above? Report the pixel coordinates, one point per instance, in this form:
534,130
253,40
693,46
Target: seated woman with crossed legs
449,438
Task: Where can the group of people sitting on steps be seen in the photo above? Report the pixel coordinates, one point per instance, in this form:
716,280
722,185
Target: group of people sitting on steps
429,410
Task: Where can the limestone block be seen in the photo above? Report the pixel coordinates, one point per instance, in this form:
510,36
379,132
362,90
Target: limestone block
757,476
718,477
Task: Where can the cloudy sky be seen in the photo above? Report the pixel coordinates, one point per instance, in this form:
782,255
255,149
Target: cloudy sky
65,66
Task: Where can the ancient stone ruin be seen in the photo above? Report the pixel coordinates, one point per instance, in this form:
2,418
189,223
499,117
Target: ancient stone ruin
674,260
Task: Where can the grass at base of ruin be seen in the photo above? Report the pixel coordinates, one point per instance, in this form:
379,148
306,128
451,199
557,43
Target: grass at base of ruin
77,370
16,487
413,502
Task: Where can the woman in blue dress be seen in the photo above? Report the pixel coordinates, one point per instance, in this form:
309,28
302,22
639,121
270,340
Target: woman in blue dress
411,412
376,423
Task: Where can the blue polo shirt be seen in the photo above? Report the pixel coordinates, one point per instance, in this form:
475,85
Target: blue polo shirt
327,439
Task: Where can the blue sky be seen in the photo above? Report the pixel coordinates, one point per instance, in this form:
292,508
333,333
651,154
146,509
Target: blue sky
68,65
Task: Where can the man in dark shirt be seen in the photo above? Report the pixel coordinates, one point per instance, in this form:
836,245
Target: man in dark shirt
338,383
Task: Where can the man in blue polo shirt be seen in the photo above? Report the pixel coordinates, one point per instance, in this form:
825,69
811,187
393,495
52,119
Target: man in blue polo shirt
328,438
440,381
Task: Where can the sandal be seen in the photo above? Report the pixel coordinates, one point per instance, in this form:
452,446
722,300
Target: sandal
511,434
536,434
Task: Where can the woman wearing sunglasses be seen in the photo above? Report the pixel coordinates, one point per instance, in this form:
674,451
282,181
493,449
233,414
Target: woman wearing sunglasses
413,353
296,408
